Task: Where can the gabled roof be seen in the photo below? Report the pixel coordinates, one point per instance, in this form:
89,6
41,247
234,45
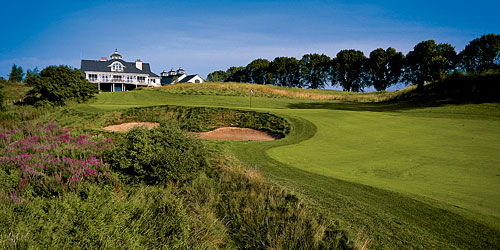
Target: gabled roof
103,66
170,79
187,78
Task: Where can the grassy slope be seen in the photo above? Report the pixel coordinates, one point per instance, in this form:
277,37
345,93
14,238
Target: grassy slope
452,160
444,156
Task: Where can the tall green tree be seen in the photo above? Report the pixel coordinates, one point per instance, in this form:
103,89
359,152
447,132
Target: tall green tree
258,71
286,71
217,76
349,70
16,74
385,67
236,74
314,70
32,73
481,54
58,84
429,61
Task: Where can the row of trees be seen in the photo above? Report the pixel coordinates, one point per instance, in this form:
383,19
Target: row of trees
17,74
353,71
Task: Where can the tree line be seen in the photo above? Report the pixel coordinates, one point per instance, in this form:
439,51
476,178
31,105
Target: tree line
353,71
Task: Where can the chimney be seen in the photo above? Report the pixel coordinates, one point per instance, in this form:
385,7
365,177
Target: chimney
138,64
103,59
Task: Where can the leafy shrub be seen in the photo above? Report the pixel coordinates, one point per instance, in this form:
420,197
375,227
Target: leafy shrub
57,85
159,155
45,160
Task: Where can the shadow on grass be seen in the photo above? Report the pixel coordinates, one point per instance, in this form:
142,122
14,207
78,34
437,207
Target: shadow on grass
453,90
389,106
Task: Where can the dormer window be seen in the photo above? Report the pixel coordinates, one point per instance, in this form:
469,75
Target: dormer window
116,66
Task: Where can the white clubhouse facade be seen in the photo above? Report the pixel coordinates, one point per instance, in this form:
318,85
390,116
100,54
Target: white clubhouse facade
115,74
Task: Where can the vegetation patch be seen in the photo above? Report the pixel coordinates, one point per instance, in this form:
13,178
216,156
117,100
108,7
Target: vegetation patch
55,86
174,200
257,90
258,215
45,160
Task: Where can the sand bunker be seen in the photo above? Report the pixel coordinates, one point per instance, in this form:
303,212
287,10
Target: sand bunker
124,127
240,134
224,133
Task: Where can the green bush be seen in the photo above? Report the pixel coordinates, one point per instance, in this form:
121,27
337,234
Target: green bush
57,85
159,155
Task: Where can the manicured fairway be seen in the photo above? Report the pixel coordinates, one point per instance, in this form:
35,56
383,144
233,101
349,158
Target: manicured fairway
452,160
404,177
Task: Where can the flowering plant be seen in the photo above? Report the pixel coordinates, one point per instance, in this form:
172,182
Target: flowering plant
45,160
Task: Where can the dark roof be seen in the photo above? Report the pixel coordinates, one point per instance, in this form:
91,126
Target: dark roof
168,79
102,66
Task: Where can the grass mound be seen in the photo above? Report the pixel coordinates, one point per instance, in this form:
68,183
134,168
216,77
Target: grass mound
457,88
269,91
201,119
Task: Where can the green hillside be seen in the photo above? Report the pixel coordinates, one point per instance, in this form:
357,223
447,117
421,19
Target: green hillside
402,174
441,158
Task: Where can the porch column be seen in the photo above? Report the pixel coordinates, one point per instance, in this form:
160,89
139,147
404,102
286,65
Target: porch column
123,87
99,86
113,87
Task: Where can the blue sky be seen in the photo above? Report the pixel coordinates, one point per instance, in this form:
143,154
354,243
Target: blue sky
203,36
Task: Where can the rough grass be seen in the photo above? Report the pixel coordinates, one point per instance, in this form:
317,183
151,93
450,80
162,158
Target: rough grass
243,89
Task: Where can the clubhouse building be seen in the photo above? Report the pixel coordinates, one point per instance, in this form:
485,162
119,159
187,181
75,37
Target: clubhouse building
116,74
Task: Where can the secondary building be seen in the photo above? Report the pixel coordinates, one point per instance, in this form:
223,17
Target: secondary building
179,76
116,74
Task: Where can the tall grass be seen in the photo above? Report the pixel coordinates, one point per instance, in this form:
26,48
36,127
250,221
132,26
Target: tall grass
258,215
243,89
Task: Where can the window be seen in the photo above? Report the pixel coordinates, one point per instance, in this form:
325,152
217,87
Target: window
117,78
116,66
141,78
129,79
93,77
105,78
196,81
